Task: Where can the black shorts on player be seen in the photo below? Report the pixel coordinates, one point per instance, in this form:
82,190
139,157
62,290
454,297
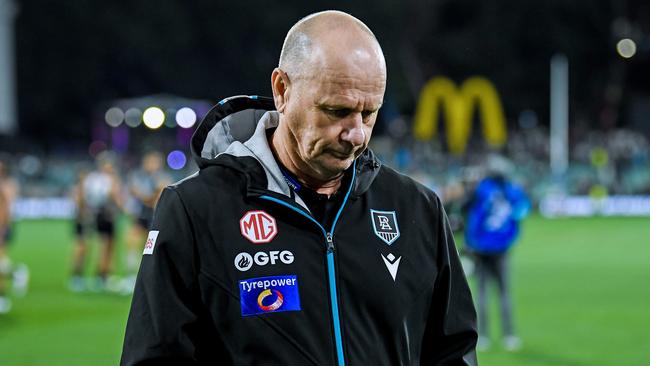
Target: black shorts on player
105,223
79,228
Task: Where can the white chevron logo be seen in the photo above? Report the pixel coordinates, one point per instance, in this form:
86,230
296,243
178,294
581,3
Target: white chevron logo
392,264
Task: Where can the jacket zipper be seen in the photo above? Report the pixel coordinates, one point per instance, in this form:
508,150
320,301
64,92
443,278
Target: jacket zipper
331,269
334,302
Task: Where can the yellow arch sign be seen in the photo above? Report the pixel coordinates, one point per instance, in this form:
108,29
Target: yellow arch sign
458,104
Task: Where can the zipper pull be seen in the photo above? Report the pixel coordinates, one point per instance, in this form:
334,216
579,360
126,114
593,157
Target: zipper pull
330,242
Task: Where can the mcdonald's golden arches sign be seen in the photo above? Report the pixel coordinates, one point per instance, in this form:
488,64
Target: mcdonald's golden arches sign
458,105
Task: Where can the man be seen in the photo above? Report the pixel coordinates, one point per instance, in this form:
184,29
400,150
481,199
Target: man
493,215
296,247
145,185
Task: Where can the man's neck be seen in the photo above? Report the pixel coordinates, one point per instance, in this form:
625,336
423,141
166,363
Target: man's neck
281,148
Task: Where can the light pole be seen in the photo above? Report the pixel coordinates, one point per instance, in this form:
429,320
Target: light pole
8,106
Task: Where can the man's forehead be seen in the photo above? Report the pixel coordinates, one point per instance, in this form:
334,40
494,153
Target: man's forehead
351,100
342,95
337,83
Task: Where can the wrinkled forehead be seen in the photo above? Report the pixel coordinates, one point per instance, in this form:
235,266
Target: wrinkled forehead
335,87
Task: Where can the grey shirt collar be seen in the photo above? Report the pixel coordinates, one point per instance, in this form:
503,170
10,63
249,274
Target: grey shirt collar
257,146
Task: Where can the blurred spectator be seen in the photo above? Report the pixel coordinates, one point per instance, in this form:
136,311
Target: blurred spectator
492,227
145,185
82,224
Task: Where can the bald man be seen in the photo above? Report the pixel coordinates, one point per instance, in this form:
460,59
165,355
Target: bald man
293,244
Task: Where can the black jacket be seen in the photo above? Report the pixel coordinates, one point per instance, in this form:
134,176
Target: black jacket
239,273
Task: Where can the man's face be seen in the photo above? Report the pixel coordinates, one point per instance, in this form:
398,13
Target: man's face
330,115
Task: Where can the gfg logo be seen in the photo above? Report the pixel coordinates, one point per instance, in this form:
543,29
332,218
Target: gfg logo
244,261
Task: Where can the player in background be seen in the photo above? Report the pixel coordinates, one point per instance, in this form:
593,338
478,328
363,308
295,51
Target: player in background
145,186
82,222
494,213
8,272
102,195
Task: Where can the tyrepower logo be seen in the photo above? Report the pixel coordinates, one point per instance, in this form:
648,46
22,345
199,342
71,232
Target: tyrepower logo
244,261
258,226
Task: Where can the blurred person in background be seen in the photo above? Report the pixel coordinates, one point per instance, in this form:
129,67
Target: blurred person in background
145,186
456,196
102,195
8,272
494,212
82,223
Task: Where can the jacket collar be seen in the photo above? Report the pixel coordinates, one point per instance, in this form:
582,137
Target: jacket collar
237,127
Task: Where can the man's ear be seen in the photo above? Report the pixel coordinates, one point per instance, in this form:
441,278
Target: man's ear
280,85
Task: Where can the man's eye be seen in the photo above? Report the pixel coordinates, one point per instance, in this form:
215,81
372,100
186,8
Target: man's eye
366,114
338,113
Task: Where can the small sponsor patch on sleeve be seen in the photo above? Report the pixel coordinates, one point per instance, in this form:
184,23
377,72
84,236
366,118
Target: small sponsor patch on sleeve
269,295
151,242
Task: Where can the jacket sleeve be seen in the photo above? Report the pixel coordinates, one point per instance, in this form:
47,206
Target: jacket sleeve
450,335
164,322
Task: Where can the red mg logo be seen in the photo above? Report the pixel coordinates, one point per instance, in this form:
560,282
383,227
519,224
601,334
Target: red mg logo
258,226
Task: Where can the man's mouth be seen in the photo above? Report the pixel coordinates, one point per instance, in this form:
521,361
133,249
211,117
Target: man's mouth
341,155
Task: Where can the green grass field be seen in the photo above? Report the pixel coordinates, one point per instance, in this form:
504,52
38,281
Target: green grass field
581,289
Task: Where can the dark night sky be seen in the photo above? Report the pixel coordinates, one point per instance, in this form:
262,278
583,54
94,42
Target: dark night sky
73,54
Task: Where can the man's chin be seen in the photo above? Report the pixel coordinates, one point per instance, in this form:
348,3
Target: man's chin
336,166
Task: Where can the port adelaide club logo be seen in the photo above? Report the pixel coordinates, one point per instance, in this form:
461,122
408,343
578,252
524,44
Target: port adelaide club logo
384,223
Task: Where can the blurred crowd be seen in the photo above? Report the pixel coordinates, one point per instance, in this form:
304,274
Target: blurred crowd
615,162
53,175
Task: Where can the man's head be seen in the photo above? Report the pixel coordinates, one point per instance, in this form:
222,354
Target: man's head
328,88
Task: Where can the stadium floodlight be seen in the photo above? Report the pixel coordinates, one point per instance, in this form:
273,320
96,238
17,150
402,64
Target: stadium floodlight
176,160
133,117
114,116
153,117
186,117
626,48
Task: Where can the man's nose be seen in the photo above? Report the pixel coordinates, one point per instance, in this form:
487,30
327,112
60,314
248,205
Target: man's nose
354,133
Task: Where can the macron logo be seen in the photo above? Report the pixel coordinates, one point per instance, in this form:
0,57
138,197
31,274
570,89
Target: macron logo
392,264
151,242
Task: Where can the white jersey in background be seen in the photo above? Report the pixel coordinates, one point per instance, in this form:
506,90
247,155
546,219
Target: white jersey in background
97,188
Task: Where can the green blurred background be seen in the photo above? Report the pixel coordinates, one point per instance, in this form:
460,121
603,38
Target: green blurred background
580,287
